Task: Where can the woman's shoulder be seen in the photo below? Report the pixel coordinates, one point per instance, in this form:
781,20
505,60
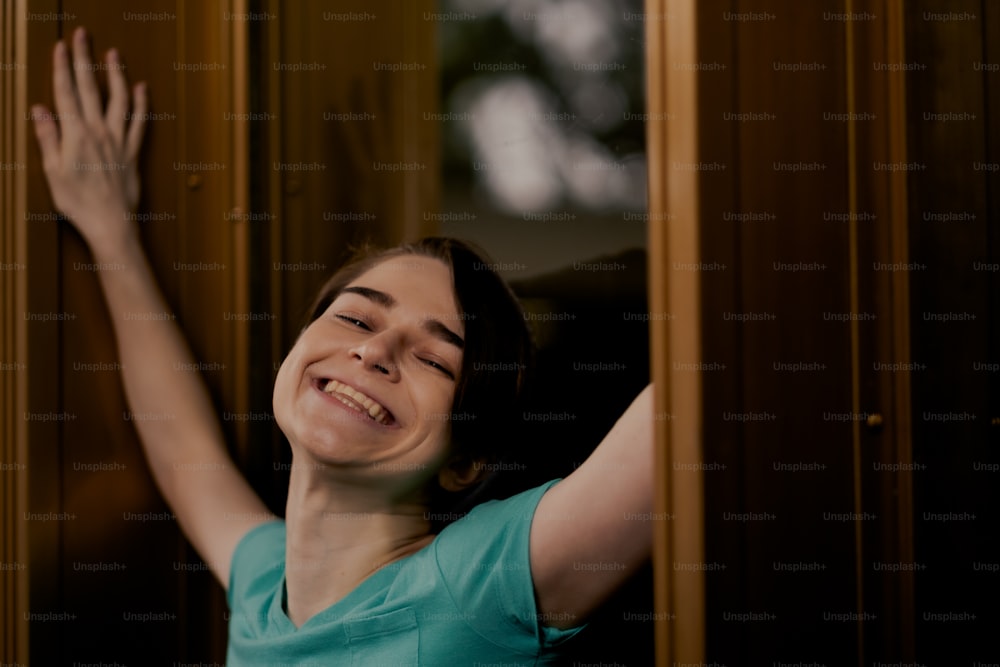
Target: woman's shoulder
496,514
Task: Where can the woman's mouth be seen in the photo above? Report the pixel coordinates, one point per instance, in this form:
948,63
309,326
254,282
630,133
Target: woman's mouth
358,401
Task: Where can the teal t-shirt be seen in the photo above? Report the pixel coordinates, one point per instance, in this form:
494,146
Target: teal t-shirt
467,598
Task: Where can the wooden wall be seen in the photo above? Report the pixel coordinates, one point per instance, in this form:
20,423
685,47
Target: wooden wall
954,200
819,205
113,576
840,328
243,185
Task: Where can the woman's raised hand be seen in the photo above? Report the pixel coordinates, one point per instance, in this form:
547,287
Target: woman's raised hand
89,158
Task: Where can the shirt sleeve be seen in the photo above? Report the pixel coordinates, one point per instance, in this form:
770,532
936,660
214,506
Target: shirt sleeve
256,554
484,561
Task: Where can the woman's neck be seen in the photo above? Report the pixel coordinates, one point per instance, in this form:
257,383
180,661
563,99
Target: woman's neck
338,534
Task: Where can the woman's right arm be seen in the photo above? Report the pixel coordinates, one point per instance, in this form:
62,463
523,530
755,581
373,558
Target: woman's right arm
90,163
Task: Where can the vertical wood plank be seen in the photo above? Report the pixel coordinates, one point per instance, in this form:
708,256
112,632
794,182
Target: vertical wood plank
21,287
28,34
880,216
775,268
674,239
951,97
88,466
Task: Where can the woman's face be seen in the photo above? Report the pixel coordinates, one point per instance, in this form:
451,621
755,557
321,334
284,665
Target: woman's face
368,387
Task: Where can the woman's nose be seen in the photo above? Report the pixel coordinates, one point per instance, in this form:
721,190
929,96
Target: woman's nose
379,353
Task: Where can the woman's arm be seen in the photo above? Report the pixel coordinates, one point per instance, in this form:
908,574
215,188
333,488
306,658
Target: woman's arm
592,530
90,163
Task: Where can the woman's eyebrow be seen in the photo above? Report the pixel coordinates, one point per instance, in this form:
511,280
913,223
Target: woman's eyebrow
434,327
441,332
387,301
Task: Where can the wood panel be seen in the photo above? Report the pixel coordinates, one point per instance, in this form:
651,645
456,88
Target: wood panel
116,574
674,297
952,100
872,472
116,566
880,226
790,117
20,299
781,178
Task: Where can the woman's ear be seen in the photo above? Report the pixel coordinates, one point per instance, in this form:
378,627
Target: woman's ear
460,473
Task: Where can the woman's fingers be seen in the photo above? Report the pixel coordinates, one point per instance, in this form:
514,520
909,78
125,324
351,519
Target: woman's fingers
89,149
48,137
64,92
83,68
133,142
114,117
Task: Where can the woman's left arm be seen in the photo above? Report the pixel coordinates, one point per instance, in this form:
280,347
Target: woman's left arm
592,530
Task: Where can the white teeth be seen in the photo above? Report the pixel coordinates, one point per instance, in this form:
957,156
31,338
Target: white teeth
375,410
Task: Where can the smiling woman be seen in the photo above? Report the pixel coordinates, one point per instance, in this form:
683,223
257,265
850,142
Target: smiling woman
481,335
397,398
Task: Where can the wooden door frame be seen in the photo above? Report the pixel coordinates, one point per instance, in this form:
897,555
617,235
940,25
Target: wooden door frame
16,290
672,93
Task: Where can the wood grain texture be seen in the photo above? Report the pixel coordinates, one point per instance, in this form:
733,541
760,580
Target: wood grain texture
228,234
673,138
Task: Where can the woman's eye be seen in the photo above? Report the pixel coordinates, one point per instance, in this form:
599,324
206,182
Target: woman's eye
356,321
434,364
